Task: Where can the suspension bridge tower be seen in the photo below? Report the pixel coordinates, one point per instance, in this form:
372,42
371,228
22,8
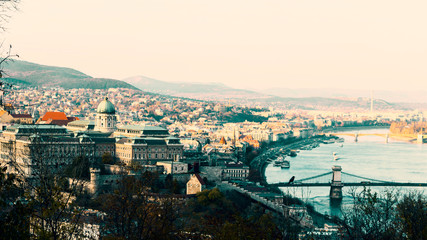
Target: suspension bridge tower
336,184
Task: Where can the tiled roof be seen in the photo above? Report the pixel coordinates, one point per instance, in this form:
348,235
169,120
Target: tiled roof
21,115
57,122
200,179
54,116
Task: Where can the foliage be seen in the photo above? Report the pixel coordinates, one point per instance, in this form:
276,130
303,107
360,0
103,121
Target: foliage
130,214
412,211
79,168
228,215
107,158
14,214
385,216
206,196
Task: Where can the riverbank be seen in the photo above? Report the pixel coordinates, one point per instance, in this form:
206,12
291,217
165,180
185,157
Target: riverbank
353,128
270,154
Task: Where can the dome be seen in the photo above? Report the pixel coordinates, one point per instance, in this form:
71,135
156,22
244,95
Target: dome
106,107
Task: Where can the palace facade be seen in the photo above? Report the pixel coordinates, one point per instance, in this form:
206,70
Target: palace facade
25,145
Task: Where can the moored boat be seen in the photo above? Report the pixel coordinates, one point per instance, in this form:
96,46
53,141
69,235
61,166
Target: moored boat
285,164
278,162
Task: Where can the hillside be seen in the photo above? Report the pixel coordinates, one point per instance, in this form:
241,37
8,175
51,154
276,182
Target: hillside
31,74
415,96
205,91
284,98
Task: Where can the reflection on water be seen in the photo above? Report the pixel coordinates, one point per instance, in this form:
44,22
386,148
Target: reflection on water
370,157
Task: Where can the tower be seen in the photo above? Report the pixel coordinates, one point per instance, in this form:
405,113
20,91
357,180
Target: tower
105,120
95,181
336,184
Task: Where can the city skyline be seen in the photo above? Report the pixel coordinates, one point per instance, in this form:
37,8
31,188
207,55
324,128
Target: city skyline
243,44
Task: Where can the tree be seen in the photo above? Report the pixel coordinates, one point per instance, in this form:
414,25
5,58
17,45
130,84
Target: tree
6,8
412,213
131,215
372,216
107,158
41,163
14,214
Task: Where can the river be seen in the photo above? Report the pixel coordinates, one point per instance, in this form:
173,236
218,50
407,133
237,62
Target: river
370,157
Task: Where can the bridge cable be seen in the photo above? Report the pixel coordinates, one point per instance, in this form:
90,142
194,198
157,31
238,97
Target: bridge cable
365,178
317,176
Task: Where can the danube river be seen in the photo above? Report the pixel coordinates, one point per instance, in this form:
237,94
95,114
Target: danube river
370,157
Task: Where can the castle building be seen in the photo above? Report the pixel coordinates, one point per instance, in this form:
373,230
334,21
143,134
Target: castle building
105,120
129,145
25,148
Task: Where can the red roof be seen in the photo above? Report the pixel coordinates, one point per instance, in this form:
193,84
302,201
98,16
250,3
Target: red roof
70,119
21,115
58,122
54,116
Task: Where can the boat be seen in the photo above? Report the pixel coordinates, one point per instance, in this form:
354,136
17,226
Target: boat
293,153
279,161
285,164
306,147
335,156
329,141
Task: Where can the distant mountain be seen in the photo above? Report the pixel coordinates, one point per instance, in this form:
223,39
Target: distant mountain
321,103
32,74
294,99
390,96
205,91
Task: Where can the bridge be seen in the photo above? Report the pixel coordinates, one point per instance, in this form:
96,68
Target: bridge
336,183
420,138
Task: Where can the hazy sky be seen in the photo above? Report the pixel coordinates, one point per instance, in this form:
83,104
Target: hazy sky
254,44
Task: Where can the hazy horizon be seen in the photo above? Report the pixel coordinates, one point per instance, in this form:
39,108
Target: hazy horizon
243,44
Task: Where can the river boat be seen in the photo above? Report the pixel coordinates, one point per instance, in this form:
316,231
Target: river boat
306,147
293,153
279,161
329,141
336,157
285,164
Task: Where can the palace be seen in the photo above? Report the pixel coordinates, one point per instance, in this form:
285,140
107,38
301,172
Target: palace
25,145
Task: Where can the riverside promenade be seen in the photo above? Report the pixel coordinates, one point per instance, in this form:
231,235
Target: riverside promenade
271,153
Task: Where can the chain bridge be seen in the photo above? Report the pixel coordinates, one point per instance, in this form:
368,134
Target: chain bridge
333,179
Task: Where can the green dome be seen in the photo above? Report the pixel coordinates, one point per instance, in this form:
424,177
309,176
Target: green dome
106,107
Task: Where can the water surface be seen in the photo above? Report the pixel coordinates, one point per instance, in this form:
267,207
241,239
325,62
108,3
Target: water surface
370,157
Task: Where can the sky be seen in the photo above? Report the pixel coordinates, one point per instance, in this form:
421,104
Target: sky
252,44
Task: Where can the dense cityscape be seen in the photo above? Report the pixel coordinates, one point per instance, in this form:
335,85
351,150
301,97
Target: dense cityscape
183,151
298,148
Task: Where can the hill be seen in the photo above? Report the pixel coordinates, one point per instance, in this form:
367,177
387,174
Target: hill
35,75
288,98
205,91
415,96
